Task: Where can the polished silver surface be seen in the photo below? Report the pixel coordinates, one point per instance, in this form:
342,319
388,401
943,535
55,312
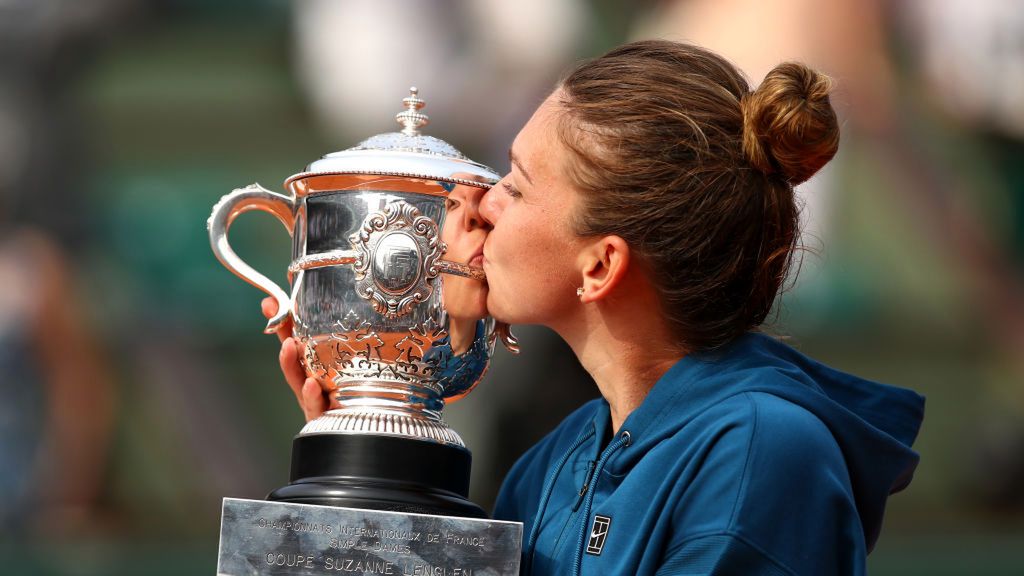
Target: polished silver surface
383,297
332,258
252,197
411,118
456,269
284,539
407,153
398,252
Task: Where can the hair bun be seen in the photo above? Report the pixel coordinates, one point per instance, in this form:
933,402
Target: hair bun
789,126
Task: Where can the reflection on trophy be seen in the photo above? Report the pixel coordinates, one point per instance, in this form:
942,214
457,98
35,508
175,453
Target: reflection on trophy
389,303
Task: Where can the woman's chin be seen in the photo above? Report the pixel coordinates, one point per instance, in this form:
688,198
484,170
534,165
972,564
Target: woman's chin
497,311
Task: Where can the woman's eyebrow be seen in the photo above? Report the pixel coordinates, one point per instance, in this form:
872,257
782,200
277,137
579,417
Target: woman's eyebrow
515,160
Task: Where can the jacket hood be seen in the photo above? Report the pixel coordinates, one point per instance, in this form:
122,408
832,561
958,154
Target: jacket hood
874,424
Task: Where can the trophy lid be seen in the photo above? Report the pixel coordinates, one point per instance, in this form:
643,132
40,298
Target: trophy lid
406,153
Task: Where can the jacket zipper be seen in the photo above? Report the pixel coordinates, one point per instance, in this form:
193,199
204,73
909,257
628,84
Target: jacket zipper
591,465
549,486
623,439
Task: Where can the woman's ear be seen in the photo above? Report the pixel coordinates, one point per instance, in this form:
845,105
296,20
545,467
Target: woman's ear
603,264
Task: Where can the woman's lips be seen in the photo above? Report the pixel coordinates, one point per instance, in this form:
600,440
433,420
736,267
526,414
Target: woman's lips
477,261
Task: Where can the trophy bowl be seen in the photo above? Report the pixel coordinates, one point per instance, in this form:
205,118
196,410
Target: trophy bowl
389,303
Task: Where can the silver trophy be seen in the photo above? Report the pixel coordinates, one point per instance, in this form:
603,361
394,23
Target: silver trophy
389,303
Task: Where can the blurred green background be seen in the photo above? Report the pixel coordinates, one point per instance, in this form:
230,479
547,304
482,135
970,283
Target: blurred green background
140,390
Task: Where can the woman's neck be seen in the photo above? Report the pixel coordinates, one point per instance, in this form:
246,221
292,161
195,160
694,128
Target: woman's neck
624,366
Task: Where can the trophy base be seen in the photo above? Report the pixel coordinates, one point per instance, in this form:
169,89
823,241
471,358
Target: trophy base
260,538
379,472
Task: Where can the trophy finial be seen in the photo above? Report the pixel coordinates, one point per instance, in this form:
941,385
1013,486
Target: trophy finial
411,118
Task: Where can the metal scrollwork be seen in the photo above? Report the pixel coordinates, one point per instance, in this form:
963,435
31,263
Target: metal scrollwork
398,253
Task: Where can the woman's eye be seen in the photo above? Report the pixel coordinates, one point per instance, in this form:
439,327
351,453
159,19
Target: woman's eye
511,190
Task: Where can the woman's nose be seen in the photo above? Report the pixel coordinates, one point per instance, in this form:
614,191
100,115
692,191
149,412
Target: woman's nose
472,218
489,207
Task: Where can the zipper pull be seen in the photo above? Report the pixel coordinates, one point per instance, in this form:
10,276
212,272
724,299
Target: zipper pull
624,439
586,485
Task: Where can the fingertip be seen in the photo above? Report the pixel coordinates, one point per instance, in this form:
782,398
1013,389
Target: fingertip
268,306
314,403
311,390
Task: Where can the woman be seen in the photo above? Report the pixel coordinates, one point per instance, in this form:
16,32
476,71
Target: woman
649,219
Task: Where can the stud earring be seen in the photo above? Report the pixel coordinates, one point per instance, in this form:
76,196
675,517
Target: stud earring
579,291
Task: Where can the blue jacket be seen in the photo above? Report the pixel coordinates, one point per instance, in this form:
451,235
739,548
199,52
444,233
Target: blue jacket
753,459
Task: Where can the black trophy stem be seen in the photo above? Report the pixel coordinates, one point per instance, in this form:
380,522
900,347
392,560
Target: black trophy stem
381,473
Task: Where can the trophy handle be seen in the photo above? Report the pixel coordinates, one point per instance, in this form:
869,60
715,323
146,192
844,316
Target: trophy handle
252,197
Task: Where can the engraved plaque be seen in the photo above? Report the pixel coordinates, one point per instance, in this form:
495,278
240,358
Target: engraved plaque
264,538
398,250
396,263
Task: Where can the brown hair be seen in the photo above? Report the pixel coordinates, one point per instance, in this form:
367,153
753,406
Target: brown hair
675,154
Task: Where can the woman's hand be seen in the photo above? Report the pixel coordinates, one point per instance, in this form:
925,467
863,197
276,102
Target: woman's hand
307,390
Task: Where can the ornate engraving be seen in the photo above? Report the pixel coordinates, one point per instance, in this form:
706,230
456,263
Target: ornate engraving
402,275
420,338
392,173
396,263
332,258
383,383
346,257
356,352
457,269
314,365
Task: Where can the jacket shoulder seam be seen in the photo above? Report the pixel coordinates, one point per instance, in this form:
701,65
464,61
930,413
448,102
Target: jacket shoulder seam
746,462
741,538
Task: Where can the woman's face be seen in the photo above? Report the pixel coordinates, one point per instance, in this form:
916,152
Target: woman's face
464,232
530,254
